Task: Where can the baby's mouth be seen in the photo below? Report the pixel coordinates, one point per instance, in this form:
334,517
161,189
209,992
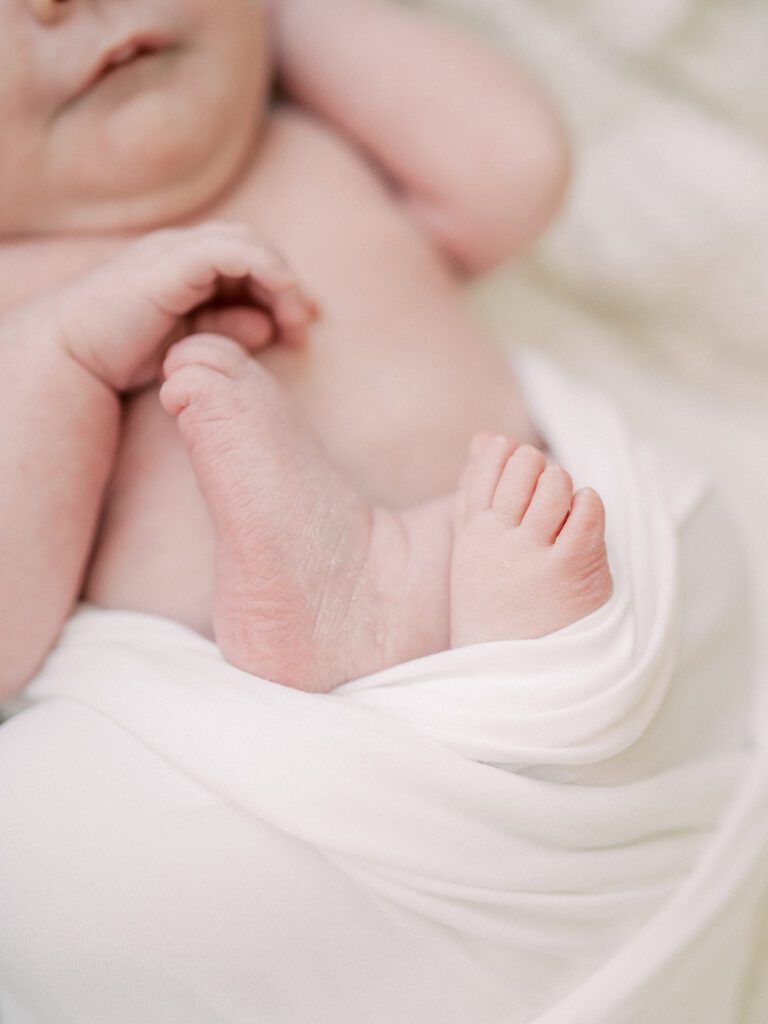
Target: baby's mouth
123,55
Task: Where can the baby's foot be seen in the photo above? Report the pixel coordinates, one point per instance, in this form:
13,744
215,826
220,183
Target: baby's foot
529,556
313,585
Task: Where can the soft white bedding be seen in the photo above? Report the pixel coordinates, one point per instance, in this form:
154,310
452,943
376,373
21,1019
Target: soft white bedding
566,830
653,283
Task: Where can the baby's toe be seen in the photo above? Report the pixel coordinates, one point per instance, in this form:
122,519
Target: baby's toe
549,505
211,350
584,530
488,456
202,370
583,555
186,387
517,484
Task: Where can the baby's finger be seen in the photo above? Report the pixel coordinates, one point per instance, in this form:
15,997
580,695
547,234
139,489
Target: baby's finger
192,266
270,281
251,328
293,311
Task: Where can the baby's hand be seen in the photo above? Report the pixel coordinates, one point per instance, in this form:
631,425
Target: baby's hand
119,320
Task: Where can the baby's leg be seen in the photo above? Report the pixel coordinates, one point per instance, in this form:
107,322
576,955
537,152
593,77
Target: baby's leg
529,557
314,585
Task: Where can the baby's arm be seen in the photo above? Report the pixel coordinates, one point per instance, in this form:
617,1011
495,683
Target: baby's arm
65,359
58,432
477,152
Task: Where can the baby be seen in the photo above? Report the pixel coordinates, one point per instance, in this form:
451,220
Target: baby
297,512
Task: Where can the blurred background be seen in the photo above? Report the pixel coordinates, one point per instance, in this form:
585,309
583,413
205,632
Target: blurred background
653,281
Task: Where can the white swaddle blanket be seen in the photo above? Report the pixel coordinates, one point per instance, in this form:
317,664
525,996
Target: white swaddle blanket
566,830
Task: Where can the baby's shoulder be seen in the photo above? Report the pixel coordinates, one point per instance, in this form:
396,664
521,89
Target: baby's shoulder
294,129
306,178
300,150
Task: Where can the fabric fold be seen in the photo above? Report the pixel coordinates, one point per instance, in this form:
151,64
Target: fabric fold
515,818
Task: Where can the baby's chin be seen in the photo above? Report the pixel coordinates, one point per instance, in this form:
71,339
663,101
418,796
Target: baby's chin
156,158
170,185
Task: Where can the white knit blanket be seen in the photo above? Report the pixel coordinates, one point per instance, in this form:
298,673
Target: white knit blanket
520,831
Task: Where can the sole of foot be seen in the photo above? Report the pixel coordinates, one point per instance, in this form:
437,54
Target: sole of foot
314,586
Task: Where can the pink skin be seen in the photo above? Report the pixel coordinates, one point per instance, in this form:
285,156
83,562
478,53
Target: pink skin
65,358
162,133
181,130
315,586
119,320
529,556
